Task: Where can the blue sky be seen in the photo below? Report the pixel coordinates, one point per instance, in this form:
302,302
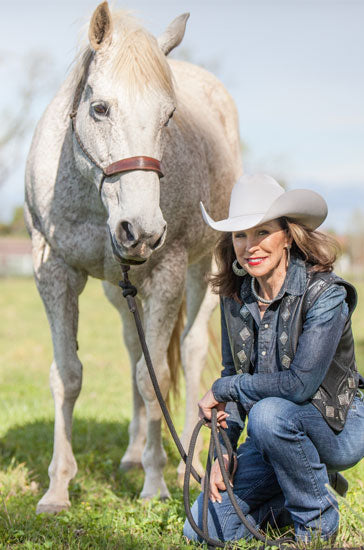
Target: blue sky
294,68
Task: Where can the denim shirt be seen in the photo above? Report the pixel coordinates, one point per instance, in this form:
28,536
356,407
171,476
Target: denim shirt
321,333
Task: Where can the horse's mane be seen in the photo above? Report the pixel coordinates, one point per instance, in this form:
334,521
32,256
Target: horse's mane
133,57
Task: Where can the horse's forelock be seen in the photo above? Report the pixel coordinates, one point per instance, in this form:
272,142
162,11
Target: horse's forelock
133,56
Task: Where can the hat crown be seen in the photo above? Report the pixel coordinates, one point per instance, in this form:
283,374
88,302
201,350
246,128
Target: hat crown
253,194
257,199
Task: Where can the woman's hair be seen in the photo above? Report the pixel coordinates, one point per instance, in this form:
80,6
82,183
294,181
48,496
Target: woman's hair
315,248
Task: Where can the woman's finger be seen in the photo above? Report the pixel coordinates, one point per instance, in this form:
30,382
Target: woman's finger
221,419
214,493
204,413
216,480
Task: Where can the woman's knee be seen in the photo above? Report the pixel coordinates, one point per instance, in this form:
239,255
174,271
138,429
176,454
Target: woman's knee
269,416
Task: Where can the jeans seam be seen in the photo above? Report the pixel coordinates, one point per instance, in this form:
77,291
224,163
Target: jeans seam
318,495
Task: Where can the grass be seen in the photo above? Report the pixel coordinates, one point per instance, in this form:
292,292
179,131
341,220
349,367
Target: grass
106,511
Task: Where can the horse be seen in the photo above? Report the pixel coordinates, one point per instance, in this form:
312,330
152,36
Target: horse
175,129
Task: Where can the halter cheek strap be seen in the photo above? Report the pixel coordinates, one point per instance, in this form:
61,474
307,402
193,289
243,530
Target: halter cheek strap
139,162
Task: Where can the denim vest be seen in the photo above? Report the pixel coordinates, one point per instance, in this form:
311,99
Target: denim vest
337,391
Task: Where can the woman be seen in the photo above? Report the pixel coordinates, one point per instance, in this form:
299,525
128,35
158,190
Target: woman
289,365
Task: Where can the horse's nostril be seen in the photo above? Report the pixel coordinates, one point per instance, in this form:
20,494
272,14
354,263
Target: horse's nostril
128,231
158,241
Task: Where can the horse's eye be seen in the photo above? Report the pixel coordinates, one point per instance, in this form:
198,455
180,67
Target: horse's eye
101,109
169,118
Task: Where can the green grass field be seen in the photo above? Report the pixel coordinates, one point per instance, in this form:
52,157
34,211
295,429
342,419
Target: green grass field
105,512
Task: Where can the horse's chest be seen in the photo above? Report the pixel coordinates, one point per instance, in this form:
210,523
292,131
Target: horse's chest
82,245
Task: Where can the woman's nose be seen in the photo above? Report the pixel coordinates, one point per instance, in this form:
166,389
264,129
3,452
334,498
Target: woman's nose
251,243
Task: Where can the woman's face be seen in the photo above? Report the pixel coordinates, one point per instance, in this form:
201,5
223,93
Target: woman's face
261,250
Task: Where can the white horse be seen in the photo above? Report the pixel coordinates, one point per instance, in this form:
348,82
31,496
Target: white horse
87,211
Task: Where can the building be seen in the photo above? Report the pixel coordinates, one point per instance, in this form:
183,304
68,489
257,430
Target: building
15,257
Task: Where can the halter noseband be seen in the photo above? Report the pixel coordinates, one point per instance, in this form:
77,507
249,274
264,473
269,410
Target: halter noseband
140,162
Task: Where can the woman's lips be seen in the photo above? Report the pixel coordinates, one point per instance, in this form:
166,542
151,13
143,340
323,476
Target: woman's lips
255,261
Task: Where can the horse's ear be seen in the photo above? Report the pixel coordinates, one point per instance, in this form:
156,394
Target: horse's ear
100,31
173,34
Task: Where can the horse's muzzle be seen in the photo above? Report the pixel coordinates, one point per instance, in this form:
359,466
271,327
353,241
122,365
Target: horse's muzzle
132,247
132,242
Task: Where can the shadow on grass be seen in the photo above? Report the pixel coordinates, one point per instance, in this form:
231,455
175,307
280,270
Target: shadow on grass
105,512
97,446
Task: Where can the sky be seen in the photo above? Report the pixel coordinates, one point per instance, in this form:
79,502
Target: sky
294,68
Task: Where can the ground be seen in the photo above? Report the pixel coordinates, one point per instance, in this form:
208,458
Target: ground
106,512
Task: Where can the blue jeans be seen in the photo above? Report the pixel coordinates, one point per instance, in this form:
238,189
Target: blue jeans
283,470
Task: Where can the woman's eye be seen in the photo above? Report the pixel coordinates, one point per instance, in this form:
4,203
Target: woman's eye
100,109
263,232
240,236
169,118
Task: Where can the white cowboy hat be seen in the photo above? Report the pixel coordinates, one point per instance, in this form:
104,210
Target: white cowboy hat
259,198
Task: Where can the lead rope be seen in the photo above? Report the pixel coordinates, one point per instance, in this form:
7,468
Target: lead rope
129,292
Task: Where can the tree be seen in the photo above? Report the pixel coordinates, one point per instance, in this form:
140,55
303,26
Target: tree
16,121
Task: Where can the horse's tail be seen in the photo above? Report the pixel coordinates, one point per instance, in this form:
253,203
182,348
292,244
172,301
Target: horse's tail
174,351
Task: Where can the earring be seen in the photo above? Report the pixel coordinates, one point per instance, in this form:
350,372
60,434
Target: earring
238,270
288,248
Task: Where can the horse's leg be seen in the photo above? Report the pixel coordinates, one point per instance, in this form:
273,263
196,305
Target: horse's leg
160,313
200,305
137,427
59,286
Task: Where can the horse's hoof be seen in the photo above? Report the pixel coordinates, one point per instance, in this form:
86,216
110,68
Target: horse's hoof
129,465
161,496
51,508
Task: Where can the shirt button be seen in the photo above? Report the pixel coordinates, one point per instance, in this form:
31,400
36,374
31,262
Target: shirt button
266,325
264,352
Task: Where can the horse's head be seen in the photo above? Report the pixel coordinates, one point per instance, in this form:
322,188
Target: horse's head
123,105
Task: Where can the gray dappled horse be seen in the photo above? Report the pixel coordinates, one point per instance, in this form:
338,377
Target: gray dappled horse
86,209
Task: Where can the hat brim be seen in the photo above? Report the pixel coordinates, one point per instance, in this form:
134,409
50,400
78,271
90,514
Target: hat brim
237,223
302,205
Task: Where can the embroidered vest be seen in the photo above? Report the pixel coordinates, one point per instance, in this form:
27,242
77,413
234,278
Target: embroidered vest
337,391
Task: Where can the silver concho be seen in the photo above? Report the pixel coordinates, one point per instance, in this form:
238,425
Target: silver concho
241,356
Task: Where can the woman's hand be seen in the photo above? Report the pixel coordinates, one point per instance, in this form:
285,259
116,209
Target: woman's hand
216,480
209,402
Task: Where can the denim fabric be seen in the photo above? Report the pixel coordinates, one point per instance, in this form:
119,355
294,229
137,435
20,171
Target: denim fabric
321,334
284,463
283,471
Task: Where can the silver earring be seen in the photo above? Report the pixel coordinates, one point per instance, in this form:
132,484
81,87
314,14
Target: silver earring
238,270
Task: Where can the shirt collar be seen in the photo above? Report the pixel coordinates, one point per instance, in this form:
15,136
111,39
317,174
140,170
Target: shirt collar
294,283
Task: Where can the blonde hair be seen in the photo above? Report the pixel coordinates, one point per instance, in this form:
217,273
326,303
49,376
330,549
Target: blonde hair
317,249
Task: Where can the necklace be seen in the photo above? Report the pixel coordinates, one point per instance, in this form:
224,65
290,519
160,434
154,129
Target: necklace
256,296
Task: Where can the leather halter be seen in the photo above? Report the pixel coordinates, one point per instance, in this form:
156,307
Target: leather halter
139,162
